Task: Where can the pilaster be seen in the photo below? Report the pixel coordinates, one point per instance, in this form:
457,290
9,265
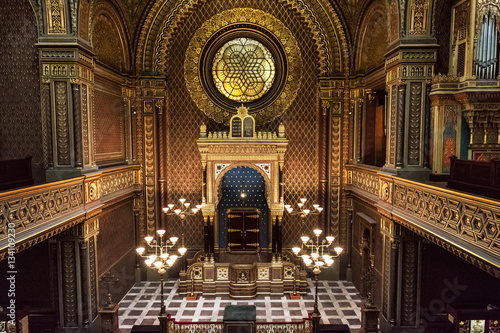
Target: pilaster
76,253
409,69
401,279
150,108
332,94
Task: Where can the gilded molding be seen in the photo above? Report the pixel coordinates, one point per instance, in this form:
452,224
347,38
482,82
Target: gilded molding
414,125
92,190
393,122
85,125
335,175
149,170
62,124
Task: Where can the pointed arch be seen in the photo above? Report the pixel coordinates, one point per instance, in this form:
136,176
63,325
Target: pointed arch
162,22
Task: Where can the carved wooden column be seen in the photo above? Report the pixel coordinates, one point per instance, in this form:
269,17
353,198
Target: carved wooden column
76,253
408,74
390,235
401,278
46,124
324,160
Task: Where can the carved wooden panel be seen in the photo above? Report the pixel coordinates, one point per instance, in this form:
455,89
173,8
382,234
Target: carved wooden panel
414,125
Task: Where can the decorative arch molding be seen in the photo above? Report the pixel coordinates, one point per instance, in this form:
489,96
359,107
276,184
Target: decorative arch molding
111,13
165,17
254,166
394,19
38,11
375,13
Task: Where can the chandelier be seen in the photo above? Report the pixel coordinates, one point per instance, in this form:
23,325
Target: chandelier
317,254
303,211
182,213
160,257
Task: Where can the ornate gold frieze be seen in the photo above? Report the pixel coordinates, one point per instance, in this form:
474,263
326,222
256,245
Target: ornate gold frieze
419,12
116,181
329,34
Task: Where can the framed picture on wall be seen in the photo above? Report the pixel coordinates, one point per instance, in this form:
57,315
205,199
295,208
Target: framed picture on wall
477,326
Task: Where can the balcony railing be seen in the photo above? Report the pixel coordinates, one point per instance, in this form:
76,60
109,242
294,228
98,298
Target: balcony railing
32,214
303,326
467,224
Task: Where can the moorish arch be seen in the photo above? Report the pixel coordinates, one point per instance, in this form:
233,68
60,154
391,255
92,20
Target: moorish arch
162,22
262,169
238,170
108,36
372,38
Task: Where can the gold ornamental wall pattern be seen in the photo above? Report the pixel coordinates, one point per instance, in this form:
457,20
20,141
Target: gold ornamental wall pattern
237,23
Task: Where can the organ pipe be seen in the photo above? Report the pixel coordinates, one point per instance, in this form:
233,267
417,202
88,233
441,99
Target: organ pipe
487,46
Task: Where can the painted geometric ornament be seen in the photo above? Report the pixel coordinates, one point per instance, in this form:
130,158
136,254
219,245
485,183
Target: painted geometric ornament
243,55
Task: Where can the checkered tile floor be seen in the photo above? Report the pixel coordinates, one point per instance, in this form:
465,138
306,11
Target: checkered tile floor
339,303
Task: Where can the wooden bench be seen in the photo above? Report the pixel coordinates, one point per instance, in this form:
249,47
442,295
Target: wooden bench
15,173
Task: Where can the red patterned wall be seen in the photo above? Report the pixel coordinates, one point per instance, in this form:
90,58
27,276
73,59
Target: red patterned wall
20,119
116,249
109,135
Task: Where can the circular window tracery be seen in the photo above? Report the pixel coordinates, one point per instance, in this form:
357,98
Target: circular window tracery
231,25
243,70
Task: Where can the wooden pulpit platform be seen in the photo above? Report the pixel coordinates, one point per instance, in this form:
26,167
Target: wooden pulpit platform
242,280
243,270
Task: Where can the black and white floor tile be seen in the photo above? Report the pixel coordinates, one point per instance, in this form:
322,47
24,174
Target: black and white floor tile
339,303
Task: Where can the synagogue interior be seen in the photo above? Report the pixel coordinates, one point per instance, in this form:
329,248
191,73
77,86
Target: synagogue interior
249,166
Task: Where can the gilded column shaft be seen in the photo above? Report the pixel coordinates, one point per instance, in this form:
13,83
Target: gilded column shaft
161,158
359,134
427,127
